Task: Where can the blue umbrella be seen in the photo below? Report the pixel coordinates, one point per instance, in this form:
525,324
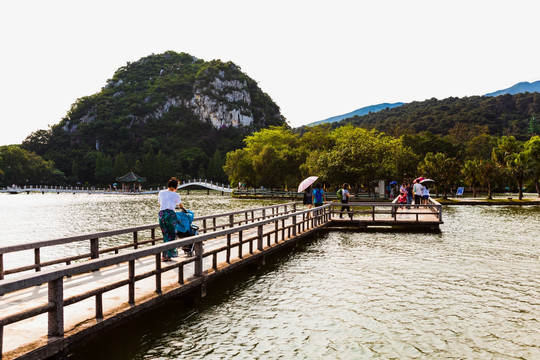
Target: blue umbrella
393,183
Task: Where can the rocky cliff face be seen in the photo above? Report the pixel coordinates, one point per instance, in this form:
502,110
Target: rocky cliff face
233,110
164,86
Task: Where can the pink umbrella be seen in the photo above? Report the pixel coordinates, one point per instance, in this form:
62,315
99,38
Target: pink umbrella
419,179
306,183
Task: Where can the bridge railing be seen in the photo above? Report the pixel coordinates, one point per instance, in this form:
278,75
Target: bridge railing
388,211
91,246
238,242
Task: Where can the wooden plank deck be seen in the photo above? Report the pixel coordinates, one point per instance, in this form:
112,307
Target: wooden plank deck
44,312
229,249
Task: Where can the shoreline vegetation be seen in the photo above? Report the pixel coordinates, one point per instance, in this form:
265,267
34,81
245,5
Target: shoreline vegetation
485,201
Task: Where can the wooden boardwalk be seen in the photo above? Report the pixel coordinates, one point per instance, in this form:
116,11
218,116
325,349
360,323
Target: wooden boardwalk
46,311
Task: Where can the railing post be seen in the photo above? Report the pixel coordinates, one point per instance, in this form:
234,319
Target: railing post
131,276
260,238
56,315
231,220
198,258
99,306
294,225
94,248
228,249
135,240
153,235
158,273
1,272
240,245
37,259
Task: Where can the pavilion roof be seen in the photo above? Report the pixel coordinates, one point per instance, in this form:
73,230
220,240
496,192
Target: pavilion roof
131,177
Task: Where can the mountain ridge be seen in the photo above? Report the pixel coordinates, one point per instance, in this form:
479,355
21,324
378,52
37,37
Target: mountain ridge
359,112
519,88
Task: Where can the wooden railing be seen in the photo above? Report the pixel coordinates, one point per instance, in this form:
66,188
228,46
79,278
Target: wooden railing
382,211
272,229
138,239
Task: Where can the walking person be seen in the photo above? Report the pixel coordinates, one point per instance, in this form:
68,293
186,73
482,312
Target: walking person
168,200
425,194
417,189
318,196
308,197
409,191
318,199
344,196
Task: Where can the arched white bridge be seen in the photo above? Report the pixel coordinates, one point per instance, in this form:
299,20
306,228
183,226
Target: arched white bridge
205,184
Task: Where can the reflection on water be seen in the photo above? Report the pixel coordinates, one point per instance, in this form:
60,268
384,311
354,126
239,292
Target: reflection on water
470,291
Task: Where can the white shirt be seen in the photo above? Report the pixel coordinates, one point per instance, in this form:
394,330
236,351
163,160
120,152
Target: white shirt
168,200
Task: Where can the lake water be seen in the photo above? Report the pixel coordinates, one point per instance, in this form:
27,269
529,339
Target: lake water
471,291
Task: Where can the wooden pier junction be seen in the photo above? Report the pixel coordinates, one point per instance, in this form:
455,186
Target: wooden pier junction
51,304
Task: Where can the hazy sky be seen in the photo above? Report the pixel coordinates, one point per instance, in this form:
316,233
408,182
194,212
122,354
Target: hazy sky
316,59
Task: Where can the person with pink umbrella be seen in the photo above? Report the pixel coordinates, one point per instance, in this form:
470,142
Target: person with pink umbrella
305,186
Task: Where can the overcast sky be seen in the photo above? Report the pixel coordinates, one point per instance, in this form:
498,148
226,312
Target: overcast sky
316,59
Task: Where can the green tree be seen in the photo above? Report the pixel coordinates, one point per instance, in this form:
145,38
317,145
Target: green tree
471,172
164,168
444,170
510,156
74,171
24,167
480,147
120,165
518,165
149,165
532,147
359,157
104,169
271,158
534,128
489,173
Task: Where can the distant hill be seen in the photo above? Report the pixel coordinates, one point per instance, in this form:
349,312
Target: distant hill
358,112
463,117
518,88
521,87
188,111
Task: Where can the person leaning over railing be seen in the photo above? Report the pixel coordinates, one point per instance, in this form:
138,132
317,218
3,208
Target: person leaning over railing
168,200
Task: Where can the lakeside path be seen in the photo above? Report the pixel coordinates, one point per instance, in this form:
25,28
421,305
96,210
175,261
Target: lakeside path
510,200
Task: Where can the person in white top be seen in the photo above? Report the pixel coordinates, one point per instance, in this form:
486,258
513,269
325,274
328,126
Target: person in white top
168,200
417,190
344,198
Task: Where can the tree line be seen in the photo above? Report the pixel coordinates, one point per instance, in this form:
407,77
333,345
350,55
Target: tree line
280,158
